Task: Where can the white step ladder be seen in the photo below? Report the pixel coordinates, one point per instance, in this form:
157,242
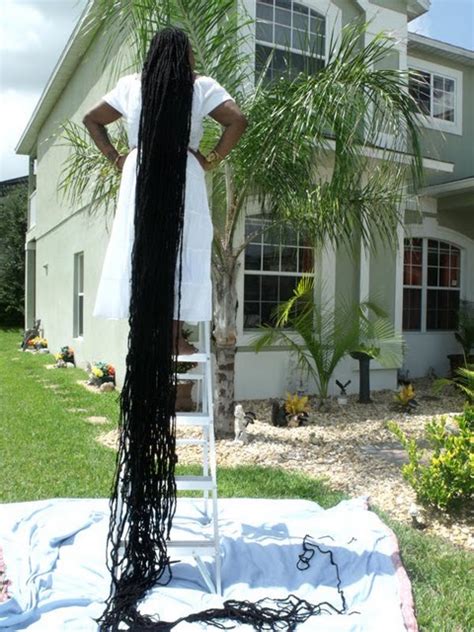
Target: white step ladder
206,482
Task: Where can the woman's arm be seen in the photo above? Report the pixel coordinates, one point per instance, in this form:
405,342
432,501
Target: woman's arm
95,120
230,116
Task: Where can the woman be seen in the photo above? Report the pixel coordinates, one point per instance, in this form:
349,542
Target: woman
209,98
156,270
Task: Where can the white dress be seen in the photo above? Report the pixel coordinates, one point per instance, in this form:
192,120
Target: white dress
113,293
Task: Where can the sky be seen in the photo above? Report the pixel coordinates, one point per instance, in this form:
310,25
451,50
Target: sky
33,33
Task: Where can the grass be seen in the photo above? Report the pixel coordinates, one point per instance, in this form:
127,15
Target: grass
47,451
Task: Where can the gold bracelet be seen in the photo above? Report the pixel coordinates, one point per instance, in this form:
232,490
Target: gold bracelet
213,158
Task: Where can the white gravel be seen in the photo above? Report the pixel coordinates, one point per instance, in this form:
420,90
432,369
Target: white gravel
351,448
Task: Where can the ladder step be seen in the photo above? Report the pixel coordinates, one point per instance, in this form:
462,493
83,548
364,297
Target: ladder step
194,357
188,547
190,376
193,419
195,483
191,442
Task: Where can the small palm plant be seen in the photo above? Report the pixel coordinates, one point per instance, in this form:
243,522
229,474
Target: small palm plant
463,381
321,336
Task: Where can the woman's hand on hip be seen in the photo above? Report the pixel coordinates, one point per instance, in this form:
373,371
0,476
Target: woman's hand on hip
200,157
121,161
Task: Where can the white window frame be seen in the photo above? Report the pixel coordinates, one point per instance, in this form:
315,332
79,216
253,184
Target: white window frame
451,127
78,305
326,8
252,330
424,287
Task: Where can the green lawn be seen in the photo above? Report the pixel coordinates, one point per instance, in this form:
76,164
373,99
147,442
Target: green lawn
46,451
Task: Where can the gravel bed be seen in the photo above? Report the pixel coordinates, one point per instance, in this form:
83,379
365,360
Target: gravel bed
350,447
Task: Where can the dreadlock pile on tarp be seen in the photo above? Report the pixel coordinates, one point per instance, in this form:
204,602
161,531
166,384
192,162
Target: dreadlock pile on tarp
143,499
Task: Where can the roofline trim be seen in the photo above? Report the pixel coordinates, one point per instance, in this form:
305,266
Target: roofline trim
76,46
427,43
445,188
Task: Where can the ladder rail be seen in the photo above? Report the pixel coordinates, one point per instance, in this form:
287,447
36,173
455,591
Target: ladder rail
207,481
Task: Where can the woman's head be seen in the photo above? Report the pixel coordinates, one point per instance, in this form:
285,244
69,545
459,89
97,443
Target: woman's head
169,46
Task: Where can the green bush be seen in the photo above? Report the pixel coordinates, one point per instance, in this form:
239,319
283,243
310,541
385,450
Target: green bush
13,208
447,480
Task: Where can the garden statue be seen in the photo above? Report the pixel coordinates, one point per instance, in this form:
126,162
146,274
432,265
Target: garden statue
241,420
342,399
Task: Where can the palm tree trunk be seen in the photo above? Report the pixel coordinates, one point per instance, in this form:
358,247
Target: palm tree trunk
225,338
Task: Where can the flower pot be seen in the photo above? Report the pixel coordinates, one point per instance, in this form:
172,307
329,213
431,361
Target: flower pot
342,401
184,401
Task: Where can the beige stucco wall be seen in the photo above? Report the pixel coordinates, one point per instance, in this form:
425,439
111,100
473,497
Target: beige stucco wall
63,229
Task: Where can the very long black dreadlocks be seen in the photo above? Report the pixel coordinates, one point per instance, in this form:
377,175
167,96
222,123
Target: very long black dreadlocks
143,499
144,493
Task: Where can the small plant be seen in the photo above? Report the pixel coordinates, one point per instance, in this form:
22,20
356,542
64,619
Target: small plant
294,404
64,356
38,343
31,333
463,381
101,372
324,335
405,398
446,481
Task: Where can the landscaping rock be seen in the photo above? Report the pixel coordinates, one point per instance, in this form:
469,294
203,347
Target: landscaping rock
350,447
107,387
97,420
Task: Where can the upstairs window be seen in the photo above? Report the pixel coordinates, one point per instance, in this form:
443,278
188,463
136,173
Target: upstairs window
431,285
438,92
274,263
434,94
296,34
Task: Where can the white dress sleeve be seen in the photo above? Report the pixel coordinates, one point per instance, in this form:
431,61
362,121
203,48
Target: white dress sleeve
118,97
212,95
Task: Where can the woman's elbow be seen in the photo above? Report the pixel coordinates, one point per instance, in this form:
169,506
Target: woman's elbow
242,122
87,119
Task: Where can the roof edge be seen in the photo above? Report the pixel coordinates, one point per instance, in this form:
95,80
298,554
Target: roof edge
422,42
463,185
415,8
77,44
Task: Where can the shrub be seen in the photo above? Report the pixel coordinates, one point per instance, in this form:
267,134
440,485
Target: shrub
447,480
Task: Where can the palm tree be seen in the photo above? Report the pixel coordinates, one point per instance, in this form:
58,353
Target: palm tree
299,124
320,337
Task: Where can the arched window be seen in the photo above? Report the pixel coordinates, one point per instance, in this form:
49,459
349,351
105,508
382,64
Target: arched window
431,285
295,32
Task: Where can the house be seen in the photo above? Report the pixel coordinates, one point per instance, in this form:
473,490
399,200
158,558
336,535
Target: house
421,283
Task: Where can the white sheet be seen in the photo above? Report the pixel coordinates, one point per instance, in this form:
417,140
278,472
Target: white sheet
55,556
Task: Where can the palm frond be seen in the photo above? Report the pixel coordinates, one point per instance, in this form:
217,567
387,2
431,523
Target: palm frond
87,176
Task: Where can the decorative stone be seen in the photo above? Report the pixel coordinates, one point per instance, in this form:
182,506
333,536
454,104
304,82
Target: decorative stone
106,387
70,365
97,420
452,428
333,449
44,350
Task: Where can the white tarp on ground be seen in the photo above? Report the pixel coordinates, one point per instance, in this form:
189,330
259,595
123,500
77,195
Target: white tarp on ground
54,551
